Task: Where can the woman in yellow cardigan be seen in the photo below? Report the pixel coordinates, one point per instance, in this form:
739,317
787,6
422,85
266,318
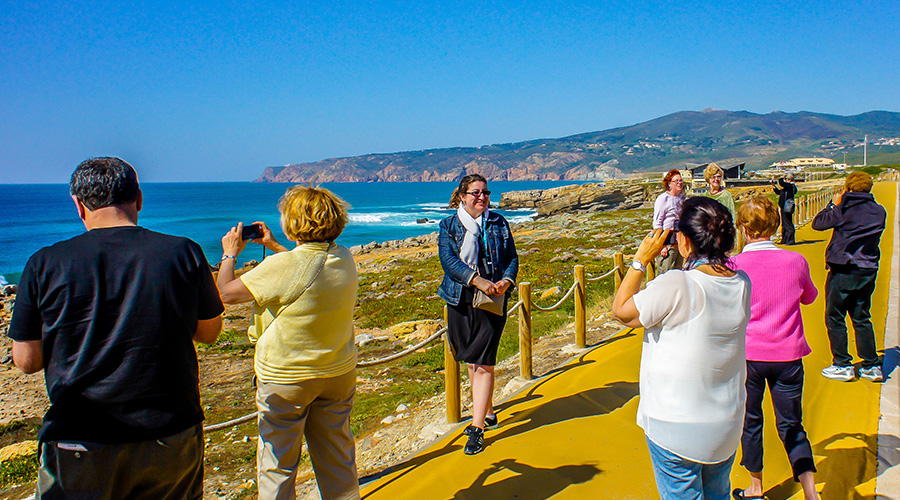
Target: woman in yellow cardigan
305,359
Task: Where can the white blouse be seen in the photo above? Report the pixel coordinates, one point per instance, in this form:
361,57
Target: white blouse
693,363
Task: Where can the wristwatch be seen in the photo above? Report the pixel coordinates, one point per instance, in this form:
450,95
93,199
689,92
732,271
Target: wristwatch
637,266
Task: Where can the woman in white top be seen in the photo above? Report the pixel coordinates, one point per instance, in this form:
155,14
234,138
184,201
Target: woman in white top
666,211
693,360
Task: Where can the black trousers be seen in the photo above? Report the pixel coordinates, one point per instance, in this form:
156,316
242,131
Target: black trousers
850,293
169,468
787,228
785,381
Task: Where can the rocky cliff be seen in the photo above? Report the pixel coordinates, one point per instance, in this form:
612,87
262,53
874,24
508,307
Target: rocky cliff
400,168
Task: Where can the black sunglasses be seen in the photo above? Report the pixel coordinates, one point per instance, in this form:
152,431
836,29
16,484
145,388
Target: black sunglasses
478,193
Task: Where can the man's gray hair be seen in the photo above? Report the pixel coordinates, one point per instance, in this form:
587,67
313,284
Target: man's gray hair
104,181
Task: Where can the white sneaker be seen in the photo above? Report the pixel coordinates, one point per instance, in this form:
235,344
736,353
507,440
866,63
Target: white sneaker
872,373
842,373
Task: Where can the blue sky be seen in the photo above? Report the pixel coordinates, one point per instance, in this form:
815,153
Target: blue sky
217,90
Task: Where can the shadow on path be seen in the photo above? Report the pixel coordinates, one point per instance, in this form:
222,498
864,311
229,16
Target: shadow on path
848,463
589,403
581,361
799,243
891,357
529,482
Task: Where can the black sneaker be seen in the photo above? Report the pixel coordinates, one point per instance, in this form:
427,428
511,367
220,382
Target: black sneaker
475,444
490,422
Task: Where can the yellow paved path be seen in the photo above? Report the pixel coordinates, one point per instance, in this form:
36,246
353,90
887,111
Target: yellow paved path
572,434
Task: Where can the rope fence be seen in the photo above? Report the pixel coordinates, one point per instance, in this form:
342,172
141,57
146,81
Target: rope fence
563,299
409,350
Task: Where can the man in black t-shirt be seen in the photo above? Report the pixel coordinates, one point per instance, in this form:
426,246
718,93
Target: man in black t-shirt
111,316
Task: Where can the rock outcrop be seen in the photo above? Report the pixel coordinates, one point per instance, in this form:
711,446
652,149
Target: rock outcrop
575,198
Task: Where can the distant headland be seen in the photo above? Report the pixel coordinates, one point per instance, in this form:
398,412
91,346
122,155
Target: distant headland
667,142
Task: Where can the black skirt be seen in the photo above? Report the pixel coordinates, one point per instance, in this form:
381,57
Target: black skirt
474,333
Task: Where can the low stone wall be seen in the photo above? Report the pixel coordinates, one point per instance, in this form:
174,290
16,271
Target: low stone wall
424,240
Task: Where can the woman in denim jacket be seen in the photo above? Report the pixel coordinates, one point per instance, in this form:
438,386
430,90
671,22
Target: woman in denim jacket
477,251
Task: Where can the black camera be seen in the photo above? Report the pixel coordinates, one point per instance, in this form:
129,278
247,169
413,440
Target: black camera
251,232
670,238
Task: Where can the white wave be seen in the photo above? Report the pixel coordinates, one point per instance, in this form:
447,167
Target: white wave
432,206
371,218
415,223
521,218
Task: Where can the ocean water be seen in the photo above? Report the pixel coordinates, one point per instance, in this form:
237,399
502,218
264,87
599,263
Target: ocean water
33,216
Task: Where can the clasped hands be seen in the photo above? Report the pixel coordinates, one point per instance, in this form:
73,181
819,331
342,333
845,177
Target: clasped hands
491,288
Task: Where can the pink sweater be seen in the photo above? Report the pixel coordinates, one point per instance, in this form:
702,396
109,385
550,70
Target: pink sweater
780,283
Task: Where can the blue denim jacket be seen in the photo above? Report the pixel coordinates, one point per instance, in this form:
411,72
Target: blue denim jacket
456,273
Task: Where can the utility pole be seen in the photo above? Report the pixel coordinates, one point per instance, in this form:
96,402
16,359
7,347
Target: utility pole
866,150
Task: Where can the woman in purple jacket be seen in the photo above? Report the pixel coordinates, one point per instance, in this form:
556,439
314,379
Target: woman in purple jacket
775,345
666,212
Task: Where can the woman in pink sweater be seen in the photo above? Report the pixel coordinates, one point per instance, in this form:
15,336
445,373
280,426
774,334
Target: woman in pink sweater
775,345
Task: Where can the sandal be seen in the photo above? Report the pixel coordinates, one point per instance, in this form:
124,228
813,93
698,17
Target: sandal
738,494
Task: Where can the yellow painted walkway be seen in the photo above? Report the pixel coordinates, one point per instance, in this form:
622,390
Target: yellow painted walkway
572,434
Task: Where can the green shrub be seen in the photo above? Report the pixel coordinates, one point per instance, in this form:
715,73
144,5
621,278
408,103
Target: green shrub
18,470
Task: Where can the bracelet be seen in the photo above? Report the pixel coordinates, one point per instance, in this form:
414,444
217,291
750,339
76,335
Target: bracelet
226,257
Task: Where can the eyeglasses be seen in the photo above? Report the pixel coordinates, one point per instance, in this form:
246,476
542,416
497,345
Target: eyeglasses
717,176
476,194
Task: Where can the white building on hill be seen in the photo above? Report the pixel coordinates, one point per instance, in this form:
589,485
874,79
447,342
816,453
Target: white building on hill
801,163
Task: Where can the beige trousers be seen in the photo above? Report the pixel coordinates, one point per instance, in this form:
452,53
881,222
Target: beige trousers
320,410
672,261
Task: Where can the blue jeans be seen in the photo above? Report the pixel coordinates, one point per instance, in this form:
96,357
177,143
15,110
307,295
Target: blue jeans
682,479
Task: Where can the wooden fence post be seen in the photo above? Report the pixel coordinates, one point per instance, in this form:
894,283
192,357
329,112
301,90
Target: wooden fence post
619,264
580,308
451,379
525,331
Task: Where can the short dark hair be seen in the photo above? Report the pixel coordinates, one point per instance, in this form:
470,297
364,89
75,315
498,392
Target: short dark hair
710,228
104,181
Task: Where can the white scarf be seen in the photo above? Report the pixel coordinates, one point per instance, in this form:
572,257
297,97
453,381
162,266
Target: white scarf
468,253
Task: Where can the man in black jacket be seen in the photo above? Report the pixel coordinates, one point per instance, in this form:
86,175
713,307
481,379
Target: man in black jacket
852,260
